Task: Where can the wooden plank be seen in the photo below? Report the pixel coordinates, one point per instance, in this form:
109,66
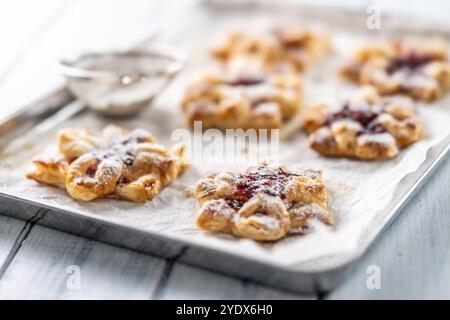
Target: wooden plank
10,230
413,255
57,265
186,282
29,19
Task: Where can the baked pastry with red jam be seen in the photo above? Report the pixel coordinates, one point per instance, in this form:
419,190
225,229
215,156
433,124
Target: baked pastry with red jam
264,203
118,163
293,48
243,102
368,127
417,67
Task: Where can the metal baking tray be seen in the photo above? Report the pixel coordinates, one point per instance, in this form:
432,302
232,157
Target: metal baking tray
60,105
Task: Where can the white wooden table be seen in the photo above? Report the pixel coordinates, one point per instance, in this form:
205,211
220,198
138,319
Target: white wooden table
37,262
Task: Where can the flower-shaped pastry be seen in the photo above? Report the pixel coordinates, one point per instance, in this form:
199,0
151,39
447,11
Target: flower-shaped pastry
118,163
368,127
259,103
265,203
417,67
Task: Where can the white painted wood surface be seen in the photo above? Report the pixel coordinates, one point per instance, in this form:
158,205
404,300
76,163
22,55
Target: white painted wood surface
413,255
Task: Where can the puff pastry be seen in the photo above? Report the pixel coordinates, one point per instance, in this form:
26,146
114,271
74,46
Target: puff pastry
293,48
259,103
368,127
417,67
118,163
265,203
